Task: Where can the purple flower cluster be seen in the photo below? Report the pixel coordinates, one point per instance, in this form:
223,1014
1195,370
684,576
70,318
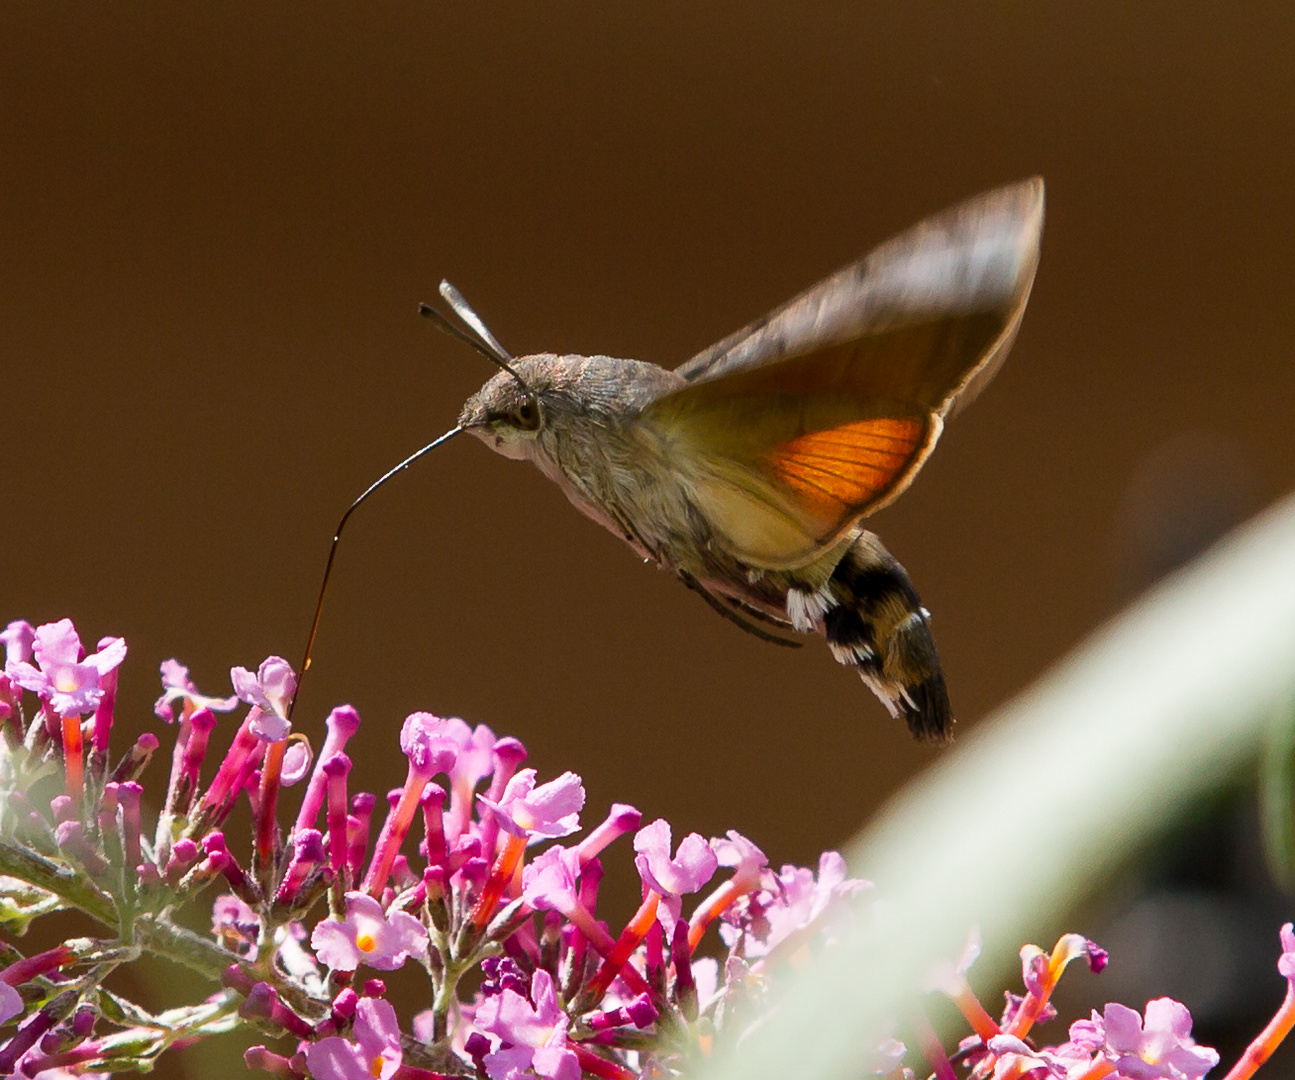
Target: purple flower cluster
478,865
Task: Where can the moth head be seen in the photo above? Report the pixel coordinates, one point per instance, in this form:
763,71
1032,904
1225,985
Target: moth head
504,415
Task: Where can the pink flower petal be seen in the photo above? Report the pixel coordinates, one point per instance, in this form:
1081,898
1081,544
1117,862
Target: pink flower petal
10,1002
57,643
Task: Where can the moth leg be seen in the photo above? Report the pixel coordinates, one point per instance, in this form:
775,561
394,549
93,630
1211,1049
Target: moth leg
757,614
739,616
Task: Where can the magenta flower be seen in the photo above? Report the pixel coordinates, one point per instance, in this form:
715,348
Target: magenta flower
538,813
502,973
621,818
71,685
368,936
176,684
270,690
640,1003
525,1035
1159,1048
342,723
373,1052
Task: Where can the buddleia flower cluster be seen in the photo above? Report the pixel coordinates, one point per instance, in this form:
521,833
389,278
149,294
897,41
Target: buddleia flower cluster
475,869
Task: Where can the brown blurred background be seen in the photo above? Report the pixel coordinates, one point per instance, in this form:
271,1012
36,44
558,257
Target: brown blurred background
216,223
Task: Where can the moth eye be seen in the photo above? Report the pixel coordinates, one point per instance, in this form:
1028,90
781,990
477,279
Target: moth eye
527,416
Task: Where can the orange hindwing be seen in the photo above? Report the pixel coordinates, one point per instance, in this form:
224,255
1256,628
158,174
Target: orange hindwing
832,471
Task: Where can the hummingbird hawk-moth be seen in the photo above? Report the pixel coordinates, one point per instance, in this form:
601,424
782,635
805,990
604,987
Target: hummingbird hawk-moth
747,470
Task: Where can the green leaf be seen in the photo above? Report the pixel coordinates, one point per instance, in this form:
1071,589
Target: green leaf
20,903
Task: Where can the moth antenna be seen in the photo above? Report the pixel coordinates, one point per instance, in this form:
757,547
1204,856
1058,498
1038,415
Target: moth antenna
458,302
332,554
456,332
481,339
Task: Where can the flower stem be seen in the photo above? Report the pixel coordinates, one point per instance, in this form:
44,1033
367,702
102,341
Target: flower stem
267,825
446,997
1268,1040
981,1022
634,932
393,833
500,875
74,889
73,758
719,901
1097,1071
600,1066
932,1049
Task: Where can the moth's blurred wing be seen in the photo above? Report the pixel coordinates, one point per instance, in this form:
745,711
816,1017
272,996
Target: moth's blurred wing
798,425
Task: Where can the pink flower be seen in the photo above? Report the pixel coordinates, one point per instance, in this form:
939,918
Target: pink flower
1091,1033
1161,1048
1037,967
791,902
692,866
176,684
527,1036
549,883
1015,1057
368,936
235,925
72,686
476,753
430,743
10,1002
296,762
886,1058
373,1053
747,860
17,638
1286,963
270,690
547,811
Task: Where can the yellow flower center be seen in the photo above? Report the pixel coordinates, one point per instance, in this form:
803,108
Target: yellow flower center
375,1066
365,943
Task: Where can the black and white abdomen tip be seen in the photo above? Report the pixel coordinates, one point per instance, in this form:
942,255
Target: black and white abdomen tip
874,622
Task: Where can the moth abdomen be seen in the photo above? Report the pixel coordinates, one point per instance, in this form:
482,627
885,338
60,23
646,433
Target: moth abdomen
876,624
